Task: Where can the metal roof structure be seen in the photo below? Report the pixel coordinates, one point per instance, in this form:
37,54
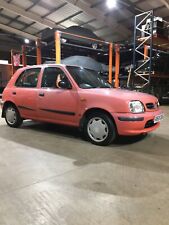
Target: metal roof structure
29,18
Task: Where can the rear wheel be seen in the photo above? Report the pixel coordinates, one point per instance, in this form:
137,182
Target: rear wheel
100,129
12,116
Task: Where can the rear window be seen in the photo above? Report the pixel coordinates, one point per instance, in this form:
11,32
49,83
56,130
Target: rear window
28,78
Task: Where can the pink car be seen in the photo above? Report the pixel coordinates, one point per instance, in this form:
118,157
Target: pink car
78,97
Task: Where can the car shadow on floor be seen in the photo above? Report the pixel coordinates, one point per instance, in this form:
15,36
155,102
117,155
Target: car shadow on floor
69,132
139,152
72,132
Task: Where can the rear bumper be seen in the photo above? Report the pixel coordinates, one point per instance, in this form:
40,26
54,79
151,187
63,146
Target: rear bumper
135,124
1,107
1,103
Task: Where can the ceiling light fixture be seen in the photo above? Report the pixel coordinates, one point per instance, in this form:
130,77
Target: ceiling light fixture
111,4
26,41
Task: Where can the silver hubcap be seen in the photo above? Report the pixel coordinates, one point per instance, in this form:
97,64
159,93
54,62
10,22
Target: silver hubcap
97,129
11,115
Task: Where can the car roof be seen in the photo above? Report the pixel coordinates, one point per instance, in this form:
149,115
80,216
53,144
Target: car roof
49,65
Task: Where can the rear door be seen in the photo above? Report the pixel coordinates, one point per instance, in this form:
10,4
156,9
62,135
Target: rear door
56,104
25,92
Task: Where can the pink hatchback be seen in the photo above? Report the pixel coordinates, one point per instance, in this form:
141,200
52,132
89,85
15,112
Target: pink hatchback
78,97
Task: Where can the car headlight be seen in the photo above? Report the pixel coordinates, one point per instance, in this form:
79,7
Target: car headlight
136,107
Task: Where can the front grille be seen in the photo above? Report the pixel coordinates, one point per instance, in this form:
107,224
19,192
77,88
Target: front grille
152,105
150,123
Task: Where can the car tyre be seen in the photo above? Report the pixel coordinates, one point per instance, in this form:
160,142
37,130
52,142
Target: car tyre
99,129
12,116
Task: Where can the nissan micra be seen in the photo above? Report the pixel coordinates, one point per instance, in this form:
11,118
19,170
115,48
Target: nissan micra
78,97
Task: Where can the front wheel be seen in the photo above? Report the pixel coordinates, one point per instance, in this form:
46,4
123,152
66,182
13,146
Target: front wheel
100,129
12,116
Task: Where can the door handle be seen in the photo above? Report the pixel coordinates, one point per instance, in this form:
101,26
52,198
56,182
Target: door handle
14,93
41,94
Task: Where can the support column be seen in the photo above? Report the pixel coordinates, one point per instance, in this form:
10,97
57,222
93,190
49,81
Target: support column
12,64
58,47
117,65
110,62
38,52
24,55
145,52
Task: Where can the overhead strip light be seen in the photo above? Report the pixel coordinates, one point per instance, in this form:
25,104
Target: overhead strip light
26,41
111,4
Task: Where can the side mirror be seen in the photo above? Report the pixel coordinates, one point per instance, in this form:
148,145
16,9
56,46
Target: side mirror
64,85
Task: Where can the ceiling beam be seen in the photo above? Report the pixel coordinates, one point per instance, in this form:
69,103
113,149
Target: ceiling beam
33,4
166,3
13,20
28,25
100,16
18,32
55,9
69,17
131,7
29,15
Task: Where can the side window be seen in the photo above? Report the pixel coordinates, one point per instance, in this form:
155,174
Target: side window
52,76
29,78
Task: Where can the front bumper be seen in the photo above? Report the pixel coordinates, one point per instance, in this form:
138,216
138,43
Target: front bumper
135,124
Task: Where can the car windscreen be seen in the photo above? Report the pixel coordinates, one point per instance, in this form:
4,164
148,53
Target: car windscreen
87,79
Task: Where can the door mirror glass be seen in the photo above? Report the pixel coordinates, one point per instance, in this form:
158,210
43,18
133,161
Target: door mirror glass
64,84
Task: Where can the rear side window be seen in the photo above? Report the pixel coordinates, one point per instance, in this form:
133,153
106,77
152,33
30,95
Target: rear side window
50,77
29,78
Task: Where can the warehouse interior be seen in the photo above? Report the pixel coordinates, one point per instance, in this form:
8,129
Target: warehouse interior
49,173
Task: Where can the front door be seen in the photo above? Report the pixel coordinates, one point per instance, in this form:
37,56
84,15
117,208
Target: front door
55,104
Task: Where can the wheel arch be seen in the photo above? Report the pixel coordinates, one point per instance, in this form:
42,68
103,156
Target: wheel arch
93,110
7,103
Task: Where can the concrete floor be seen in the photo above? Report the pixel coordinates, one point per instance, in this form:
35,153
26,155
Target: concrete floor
50,176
